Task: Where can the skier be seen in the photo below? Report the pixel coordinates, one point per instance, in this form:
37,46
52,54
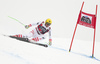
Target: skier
37,34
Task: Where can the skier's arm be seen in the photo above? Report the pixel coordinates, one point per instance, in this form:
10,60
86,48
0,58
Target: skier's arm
33,24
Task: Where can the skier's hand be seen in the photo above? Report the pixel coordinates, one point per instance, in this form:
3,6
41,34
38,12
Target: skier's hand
50,42
26,26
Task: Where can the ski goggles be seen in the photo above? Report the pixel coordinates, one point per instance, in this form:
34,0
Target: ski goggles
48,23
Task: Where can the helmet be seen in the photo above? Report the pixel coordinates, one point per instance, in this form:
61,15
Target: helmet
48,21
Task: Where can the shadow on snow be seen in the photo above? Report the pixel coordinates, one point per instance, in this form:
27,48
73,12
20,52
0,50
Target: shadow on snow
86,56
75,53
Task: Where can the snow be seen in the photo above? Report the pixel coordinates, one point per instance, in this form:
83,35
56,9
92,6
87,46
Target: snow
13,51
64,15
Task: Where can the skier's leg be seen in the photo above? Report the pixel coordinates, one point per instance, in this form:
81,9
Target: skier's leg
30,34
38,38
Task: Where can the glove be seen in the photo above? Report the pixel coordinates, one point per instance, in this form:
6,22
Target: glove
27,26
50,42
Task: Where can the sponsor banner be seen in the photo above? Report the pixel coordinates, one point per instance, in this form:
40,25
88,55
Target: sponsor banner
88,20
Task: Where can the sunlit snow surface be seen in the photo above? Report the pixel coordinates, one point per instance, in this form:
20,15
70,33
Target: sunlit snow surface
13,51
17,52
64,14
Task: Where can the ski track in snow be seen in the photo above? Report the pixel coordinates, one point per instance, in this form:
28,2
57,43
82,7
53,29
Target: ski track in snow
84,55
17,57
11,51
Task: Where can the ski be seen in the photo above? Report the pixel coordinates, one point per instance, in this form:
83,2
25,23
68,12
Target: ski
26,40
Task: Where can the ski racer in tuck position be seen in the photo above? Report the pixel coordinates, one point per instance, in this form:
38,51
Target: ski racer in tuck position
37,34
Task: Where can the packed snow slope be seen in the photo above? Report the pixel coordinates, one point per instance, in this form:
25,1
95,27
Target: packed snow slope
13,51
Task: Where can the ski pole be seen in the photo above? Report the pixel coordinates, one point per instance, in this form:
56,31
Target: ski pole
16,20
